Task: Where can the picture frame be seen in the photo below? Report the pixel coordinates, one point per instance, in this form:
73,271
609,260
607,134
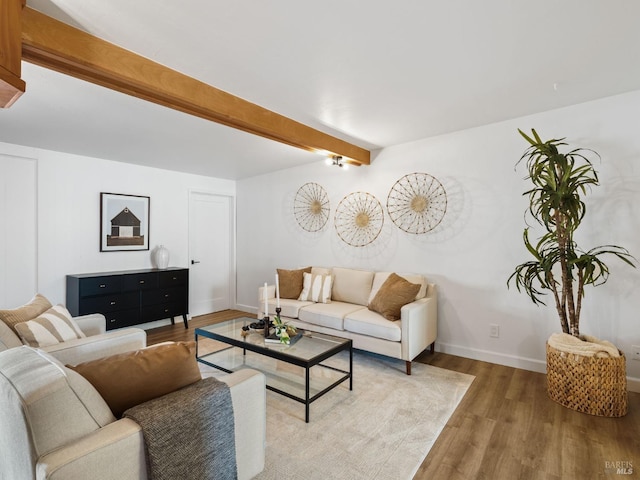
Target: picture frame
124,222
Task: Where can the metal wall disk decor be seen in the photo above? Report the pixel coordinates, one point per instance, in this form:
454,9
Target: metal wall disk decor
417,203
359,219
311,207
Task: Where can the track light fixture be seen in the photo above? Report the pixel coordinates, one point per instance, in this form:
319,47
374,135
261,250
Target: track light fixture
336,160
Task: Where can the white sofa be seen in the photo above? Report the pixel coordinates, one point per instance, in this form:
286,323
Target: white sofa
55,425
97,343
347,314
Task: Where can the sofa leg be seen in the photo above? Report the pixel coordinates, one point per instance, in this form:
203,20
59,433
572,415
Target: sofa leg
408,363
432,348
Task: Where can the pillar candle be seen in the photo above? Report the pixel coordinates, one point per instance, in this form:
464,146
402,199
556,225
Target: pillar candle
277,291
266,303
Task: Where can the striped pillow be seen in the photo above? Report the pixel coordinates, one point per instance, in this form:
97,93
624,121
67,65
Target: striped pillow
36,306
50,328
316,288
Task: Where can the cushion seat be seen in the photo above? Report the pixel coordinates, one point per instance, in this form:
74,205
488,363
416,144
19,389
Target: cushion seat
366,322
330,315
290,308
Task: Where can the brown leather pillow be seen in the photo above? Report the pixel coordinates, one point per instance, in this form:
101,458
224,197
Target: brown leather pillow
36,307
129,379
394,294
291,282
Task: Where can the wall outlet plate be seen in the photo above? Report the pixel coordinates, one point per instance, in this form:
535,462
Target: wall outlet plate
635,352
494,330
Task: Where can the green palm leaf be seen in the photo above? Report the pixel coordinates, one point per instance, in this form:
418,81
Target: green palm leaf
555,202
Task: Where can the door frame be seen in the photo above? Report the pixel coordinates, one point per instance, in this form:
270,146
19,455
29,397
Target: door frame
232,239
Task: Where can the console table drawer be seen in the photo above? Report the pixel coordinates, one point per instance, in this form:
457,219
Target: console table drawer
164,295
175,277
110,303
140,281
99,286
158,312
122,318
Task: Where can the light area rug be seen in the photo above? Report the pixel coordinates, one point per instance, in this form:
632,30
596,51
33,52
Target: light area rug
383,429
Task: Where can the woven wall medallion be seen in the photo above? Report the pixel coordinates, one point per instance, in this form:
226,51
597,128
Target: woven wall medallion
359,218
417,203
311,207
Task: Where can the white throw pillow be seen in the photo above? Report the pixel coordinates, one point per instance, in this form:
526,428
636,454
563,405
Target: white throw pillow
49,328
316,288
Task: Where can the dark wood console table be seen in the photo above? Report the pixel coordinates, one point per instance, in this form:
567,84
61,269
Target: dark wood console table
130,297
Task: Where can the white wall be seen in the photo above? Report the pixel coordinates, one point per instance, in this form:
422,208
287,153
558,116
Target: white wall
473,252
68,214
18,269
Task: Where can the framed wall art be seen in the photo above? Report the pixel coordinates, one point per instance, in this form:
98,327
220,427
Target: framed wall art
124,222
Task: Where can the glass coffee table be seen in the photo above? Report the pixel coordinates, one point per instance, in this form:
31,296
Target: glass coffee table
286,367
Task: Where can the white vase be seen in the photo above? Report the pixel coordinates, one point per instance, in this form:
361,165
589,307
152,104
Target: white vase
161,257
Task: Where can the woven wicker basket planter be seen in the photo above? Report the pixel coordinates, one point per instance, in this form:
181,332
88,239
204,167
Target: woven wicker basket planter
593,385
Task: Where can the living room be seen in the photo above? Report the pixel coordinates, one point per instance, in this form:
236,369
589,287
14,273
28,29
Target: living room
469,256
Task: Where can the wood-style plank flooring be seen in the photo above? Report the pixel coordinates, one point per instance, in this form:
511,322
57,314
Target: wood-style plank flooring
506,427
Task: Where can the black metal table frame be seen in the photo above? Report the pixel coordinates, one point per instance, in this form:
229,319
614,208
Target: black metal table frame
272,353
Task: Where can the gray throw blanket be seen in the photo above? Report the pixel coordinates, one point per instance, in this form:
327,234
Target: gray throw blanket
189,433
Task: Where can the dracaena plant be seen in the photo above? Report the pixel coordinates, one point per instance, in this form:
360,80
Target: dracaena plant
559,265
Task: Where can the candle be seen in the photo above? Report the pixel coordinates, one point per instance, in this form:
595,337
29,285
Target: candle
277,291
266,303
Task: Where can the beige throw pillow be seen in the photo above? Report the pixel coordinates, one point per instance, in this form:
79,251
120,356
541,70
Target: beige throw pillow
394,293
37,305
291,282
50,328
129,379
351,285
316,288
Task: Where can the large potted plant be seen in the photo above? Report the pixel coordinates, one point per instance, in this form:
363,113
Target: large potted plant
583,373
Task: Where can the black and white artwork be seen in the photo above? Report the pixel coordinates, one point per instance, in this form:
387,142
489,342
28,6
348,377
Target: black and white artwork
124,222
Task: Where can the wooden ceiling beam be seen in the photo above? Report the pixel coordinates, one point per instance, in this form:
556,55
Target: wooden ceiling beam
55,45
11,85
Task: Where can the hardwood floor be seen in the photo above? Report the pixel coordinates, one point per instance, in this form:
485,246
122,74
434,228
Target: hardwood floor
506,427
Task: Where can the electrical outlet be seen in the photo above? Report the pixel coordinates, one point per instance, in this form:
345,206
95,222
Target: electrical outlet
635,352
494,330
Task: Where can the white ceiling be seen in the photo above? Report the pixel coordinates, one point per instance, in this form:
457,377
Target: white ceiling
376,73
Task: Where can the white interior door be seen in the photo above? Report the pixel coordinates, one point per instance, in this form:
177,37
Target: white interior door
18,217
210,248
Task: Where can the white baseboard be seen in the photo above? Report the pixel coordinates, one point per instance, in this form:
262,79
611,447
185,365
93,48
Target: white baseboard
531,364
493,357
247,308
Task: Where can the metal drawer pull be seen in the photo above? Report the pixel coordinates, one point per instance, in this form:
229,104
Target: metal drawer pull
113,303
166,310
102,285
166,295
112,320
141,282
175,278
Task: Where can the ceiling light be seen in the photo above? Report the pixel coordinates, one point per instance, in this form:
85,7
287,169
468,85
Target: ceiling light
336,160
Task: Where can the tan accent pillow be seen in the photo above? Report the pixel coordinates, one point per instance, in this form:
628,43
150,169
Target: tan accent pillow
291,282
394,294
129,379
49,328
381,277
36,306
